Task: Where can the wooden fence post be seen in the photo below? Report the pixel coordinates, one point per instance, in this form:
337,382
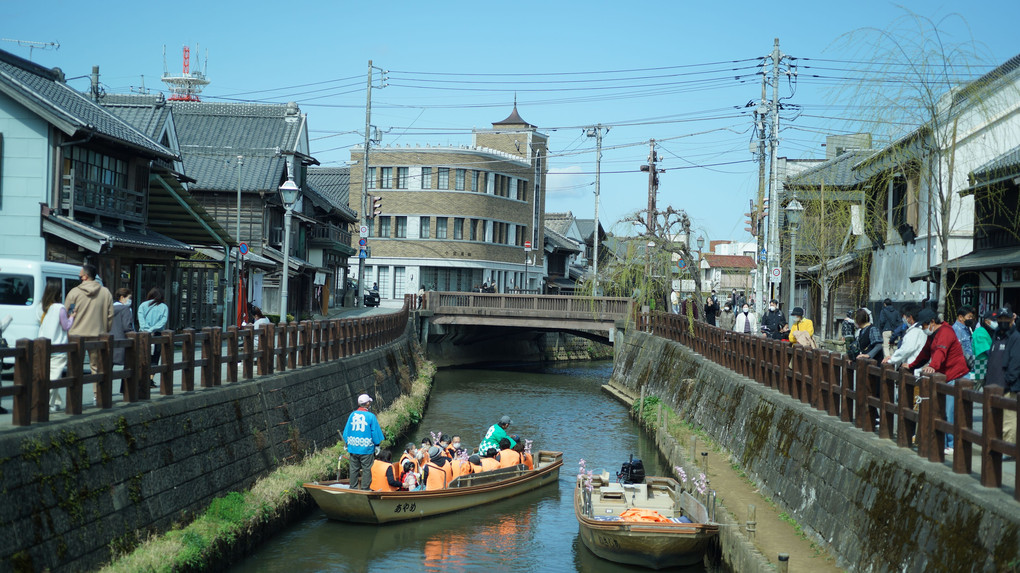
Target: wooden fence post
232,354
75,370
991,421
21,413
39,389
133,359
188,360
281,346
207,357
248,339
104,391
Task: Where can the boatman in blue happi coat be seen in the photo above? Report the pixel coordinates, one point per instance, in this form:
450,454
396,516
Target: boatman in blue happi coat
362,435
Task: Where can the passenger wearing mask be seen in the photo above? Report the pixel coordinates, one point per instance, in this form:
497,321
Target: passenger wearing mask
913,338
507,456
711,310
436,473
888,321
410,455
746,321
383,478
725,320
455,447
963,327
489,461
1004,366
773,321
123,323
869,338
423,451
941,353
801,330
409,481
982,343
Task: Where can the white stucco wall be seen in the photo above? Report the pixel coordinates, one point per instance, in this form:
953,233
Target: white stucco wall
24,180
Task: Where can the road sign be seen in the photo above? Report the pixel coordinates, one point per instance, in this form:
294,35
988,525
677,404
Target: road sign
764,252
763,257
777,275
527,246
243,248
363,231
681,265
363,254
362,241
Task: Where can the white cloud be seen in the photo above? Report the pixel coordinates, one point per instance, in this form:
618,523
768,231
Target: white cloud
568,182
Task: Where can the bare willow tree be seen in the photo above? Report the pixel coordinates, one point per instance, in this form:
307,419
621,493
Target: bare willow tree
924,88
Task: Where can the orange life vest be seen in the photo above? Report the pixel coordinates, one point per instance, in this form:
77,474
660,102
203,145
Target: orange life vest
637,514
379,481
450,452
407,457
436,478
461,468
529,461
509,458
489,464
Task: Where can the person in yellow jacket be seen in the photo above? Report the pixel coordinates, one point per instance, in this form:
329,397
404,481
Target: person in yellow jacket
799,324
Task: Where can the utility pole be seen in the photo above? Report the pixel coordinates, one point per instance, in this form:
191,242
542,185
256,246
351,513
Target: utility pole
365,215
757,228
653,185
237,273
596,132
773,206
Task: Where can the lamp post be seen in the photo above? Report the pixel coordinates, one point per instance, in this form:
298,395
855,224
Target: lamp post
701,245
289,193
793,213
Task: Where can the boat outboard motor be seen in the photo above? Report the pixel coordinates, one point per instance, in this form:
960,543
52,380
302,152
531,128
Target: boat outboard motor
633,471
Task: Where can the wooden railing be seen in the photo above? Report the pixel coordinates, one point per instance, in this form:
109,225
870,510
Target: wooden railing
280,348
862,391
552,306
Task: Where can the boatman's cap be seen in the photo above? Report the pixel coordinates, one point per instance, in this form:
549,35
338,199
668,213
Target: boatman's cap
364,399
505,421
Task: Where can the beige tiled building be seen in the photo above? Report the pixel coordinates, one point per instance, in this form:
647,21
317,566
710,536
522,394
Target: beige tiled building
453,218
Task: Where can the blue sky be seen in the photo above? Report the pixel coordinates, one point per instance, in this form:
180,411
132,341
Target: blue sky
664,68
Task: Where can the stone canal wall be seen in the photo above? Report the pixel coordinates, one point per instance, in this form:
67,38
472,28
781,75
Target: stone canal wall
76,488
875,506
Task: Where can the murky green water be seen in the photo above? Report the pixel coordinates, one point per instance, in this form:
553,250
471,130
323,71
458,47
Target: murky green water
560,408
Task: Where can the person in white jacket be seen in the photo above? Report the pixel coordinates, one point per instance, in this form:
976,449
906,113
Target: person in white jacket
914,338
746,321
56,321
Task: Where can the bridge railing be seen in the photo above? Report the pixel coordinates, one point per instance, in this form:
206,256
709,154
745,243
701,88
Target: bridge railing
244,351
874,397
558,306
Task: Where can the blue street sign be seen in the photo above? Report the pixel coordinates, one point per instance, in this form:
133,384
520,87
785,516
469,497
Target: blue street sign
243,248
363,254
363,241
764,252
763,257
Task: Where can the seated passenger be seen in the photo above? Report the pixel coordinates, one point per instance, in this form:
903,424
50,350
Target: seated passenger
456,446
383,478
410,454
423,451
526,458
489,462
475,463
410,481
444,444
435,474
507,457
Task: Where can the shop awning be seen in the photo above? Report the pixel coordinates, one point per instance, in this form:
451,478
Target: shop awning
99,240
174,212
976,261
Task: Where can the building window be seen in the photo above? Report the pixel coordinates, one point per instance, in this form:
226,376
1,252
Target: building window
458,182
522,190
425,224
426,178
402,177
444,179
387,178
458,229
440,227
401,227
474,230
371,178
474,181
384,227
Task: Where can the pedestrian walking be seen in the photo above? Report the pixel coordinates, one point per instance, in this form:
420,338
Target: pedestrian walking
152,317
726,317
888,321
746,322
362,436
56,321
674,301
773,321
123,323
982,343
711,310
92,305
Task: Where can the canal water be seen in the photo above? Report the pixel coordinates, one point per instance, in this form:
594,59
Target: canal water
559,407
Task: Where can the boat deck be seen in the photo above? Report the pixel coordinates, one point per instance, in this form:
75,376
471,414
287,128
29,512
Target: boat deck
614,498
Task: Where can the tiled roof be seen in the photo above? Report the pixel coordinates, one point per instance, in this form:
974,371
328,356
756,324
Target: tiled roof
837,172
559,222
513,119
44,92
333,185
1006,164
729,261
558,241
212,135
148,113
148,239
586,227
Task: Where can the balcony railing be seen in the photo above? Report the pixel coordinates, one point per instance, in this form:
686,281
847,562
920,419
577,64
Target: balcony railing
327,235
85,196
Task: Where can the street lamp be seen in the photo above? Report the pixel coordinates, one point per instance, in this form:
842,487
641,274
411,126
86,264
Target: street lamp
701,245
289,193
793,213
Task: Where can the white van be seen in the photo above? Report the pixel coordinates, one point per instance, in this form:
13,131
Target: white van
22,283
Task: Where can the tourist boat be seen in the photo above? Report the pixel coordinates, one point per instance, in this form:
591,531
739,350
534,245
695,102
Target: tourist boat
340,502
680,538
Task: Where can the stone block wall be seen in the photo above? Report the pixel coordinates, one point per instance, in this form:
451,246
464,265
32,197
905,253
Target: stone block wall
75,488
876,506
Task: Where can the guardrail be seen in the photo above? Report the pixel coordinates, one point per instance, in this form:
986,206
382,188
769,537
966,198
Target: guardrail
280,348
861,392
553,306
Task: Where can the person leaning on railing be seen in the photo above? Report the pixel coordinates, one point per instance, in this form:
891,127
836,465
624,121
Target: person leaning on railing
1004,366
913,338
941,354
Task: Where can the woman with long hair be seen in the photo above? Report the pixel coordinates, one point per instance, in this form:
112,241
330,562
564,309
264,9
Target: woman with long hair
152,317
55,323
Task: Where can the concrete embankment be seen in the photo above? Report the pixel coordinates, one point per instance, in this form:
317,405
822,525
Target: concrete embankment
874,506
78,488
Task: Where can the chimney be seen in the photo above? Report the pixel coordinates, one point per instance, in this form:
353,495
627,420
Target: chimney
95,83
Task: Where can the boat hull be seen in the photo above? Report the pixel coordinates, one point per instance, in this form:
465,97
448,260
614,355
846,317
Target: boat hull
386,507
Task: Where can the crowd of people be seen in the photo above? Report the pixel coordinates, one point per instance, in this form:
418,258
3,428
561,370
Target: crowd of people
430,465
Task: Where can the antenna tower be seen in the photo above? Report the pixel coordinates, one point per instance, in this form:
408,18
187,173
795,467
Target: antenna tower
188,84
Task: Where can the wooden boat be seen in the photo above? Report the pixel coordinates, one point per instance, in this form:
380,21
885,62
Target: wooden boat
656,545
360,506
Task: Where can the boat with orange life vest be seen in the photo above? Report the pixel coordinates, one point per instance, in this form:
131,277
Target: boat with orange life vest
653,522
341,503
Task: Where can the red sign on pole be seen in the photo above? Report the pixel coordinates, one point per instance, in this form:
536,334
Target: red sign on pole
527,244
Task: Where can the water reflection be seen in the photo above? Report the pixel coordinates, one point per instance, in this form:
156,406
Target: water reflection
560,408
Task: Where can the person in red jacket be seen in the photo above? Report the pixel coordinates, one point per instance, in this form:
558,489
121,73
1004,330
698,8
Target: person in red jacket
942,353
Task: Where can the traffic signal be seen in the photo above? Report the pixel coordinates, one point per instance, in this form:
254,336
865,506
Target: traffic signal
752,223
376,206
